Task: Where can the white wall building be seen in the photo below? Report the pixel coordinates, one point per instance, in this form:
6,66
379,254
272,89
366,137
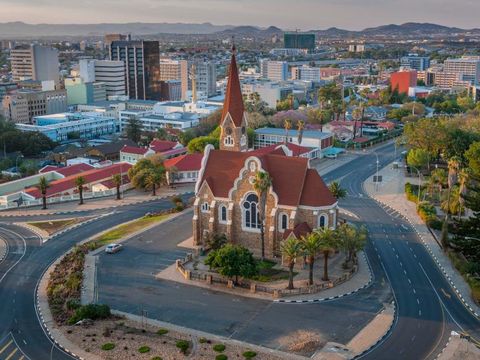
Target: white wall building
274,70
109,72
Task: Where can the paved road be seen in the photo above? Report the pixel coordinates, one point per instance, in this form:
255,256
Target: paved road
26,261
428,309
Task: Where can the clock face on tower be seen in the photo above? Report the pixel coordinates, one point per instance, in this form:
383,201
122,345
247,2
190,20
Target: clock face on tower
228,131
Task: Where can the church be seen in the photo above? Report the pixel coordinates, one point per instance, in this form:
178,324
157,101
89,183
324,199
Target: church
225,199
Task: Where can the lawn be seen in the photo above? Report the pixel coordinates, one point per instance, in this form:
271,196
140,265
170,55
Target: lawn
128,229
267,272
51,227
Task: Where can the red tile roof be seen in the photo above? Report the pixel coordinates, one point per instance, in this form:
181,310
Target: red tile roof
296,150
73,169
47,168
169,153
292,181
109,184
134,150
92,176
162,145
300,230
233,104
188,162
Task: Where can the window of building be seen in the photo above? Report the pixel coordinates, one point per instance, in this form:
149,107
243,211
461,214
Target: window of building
222,213
323,221
205,207
251,219
283,222
228,141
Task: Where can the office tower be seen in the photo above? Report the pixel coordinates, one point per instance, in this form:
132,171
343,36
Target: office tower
206,78
111,73
171,90
23,105
80,92
274,70
415,62
142,66
306,73
35,62
299,41
109,38
175,70
466,68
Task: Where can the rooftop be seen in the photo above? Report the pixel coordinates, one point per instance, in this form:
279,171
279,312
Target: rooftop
312,134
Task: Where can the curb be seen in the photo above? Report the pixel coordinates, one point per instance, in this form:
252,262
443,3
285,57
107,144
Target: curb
4,253
368,284
430,252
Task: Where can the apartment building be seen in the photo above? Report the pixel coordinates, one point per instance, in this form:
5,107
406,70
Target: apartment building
81,92
175,70
415,62
274,70
23,105
306,73
111,73
467,68
34,62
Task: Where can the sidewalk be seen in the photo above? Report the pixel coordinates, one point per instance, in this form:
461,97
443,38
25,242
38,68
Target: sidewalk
391,193
129,198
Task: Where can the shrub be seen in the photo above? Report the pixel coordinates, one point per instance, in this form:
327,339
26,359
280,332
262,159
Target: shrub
162,331
108,346
156,358
249,354
219,347
143,349
435,224
183,345
73,304
221,357
202,340
427,212
411,192
90,311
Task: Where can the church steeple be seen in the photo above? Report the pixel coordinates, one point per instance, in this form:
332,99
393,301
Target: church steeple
233,123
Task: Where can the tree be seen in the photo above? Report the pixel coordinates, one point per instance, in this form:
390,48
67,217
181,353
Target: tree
300,127
80,182
351,240
43,186
155,177
328,241
134,129
262,184
198,144
232,261
117,181
138,173
337,191
418,158
311,246
318,117
287,125
472,156
291,249
438,178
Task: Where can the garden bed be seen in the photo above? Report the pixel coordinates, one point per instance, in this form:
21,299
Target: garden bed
52,227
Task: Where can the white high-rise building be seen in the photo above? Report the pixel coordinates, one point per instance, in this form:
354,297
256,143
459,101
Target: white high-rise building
306,73
206,78
109,72
467,68
35,62
274,70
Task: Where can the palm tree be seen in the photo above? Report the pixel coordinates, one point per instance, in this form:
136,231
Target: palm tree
80,182
43,186
287,125
311,246
155,177
337,191
300,127
452,203
453,168
291,249
328,241
262,184
351,240
117,181
438,177
464,178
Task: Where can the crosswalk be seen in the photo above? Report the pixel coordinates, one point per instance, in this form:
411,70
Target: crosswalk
9,349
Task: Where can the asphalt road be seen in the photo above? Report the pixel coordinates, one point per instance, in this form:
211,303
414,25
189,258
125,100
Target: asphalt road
427,307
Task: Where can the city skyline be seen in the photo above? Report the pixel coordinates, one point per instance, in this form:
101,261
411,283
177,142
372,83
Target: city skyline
347,14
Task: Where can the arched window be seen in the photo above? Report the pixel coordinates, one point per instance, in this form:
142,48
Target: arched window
323,221
228,141
205,207
251,218
243,140
283,222
222,214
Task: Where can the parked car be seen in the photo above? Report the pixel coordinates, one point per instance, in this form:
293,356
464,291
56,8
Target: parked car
113,248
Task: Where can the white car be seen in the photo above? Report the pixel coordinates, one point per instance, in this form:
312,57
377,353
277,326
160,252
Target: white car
113,248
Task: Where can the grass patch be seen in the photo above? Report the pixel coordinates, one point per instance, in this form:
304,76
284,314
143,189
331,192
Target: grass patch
51,227
108,346
219,347
267,272
464,268
127,229
249,354
183,345
143,349
162,331
221,357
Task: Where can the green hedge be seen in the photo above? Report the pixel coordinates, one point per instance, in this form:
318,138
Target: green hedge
90,311
427,212
412,192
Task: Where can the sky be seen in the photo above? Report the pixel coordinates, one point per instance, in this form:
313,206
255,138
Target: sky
286,14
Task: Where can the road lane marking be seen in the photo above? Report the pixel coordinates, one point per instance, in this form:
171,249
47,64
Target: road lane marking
414,291
418,302
6,346
11,354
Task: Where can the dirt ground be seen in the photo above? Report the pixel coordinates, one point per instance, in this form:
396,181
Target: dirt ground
128,337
